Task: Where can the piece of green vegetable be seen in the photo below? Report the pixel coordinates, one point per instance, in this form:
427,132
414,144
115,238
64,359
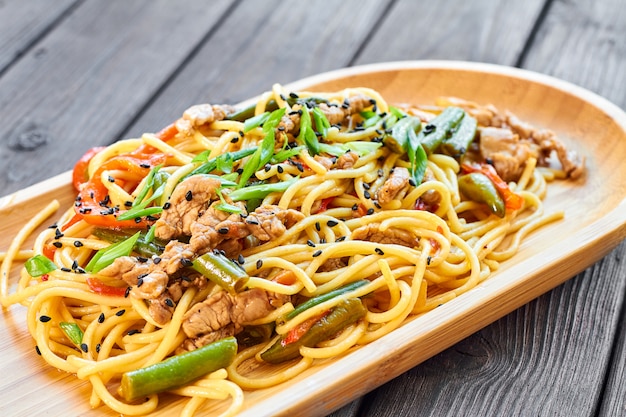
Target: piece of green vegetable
39,265
144,245
321,122
286,154
307,134
360,147
419,162
248,112
221,271
325,297
264,152
105,257
254,122
344,314
460,141
477,187
178,370
72,331
398,139
439,128
260,190
211,164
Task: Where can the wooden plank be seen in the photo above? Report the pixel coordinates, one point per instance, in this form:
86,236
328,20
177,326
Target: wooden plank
23,22
273,44
71,95
565,335
485,31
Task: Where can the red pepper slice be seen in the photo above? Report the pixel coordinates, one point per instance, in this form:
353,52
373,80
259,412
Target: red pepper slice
512,201
324,204
93,192
167,133
101,288
79,175
297,332
48,251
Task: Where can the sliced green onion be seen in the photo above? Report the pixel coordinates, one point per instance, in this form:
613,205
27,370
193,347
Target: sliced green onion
147,186
397,112
286,154
360,147
255,121
307,134
105,256
325,297
321,122
39,265
261,190
139,212
202,156
72,331
211,164
224,163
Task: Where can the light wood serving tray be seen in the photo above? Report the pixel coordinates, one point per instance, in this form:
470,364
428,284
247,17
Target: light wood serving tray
595,222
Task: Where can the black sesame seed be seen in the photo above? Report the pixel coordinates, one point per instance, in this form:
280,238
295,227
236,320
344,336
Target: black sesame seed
259,264
280,169
84,347
332,223
111,179
169,302
252,221
185,278
377,204
293,95
53,225
137,219
101,318
234,140
267,167
241,259
366,194
98,348
223,230
366,186
322,241
133,331
340,239
240,171
139,282
127,292
310,243
120,313
186,262
57,244
64,269
144,165
300,167
428,259
317,226
189,195
142,259
75,264
78,243
412,182
37,350
317,253
58,234
44,319
156,260
379,251
355,207
167,205
128,203
370,211
80,270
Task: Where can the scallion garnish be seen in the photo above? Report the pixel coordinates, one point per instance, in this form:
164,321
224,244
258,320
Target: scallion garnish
105,257
72,331
39,265
260,190
255,121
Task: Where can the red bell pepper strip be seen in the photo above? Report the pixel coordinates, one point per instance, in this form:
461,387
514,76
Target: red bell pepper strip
297,332
79,175
324,204
91,206
101,288
512,201
48,251
167,133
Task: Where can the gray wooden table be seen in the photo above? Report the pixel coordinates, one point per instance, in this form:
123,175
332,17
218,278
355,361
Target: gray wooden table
75,74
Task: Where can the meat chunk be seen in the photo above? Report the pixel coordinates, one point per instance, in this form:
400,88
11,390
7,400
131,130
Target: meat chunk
347,160
392,235
397,183
572,163
506,151
126,268
201,114
215,226
270,222
224,314
189,199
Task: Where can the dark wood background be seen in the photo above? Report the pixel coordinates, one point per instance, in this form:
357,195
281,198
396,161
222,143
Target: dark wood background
75,74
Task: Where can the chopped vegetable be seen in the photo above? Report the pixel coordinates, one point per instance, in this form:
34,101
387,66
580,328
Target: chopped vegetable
440,128
512,201
307,134
178,370
221,271
105,257
359,147
79,174
255,121
477,187
460,141
344,314
39,265
325,297
72,331
211,164
143,245
398,140
321,122
260,190
101,288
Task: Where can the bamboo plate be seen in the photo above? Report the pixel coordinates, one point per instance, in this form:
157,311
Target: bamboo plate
595,222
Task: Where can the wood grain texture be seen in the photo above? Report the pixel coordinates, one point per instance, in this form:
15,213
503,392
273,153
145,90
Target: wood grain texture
485,31
23,22
281,45
103,63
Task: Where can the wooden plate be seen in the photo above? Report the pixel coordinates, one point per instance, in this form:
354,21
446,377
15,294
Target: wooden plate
595,222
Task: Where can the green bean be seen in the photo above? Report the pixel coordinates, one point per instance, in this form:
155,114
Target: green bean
221,271
439,128
325,297
398,140
142,246
178,370
461,139
477,187
344,314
